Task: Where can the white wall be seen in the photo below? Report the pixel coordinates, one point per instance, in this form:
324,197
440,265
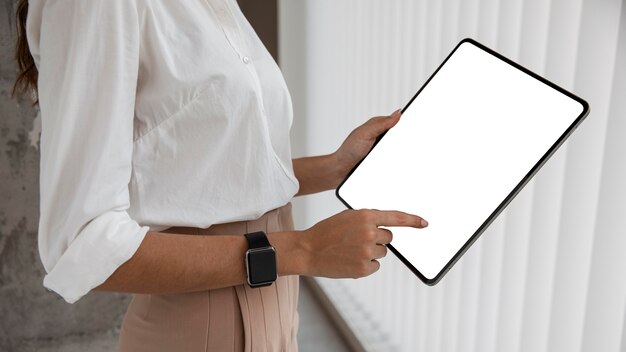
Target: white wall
550,273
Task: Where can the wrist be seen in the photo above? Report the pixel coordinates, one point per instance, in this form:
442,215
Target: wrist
292,256
338,167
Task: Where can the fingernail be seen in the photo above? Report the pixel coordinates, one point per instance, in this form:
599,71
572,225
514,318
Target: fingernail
395,113
424,223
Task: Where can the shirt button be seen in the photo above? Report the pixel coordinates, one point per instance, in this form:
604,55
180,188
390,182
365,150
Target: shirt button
245,60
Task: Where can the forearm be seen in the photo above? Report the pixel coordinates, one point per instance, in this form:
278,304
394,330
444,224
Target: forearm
317,173
172,263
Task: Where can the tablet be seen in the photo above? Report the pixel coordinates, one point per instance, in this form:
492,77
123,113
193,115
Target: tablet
466,144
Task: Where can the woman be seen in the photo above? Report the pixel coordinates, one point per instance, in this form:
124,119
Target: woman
165,140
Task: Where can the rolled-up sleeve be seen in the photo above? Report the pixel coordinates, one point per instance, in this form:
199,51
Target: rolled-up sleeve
88,59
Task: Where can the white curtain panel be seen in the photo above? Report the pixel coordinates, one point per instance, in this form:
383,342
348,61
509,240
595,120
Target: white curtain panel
550,273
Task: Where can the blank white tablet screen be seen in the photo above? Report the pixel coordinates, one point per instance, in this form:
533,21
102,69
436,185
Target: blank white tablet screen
461,147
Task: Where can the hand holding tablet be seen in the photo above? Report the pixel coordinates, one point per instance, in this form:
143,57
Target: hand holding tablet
466,144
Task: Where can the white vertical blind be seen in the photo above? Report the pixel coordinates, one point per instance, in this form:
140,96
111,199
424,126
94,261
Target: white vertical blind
550,273
546,209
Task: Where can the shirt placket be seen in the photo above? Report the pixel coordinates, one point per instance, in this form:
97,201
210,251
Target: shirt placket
231,30
227,22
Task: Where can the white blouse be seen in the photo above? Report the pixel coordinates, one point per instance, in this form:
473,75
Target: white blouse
155,113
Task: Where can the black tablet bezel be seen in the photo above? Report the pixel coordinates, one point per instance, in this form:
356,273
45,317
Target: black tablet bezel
515,190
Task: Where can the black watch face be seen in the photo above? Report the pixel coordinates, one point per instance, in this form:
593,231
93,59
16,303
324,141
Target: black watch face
261,266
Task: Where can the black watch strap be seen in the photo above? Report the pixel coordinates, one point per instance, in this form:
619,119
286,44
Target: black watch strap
257,240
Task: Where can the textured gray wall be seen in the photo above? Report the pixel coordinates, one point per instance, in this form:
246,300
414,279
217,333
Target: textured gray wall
31,318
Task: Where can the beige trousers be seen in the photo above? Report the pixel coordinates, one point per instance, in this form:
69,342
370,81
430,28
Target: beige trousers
236,318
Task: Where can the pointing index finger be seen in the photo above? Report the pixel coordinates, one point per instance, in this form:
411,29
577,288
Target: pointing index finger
399,218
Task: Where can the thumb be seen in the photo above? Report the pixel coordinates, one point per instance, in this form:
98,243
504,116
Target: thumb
386,122
395,115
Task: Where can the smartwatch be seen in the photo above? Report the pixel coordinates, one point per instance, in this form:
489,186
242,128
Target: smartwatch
260,260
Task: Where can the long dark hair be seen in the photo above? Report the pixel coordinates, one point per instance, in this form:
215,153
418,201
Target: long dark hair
26,81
